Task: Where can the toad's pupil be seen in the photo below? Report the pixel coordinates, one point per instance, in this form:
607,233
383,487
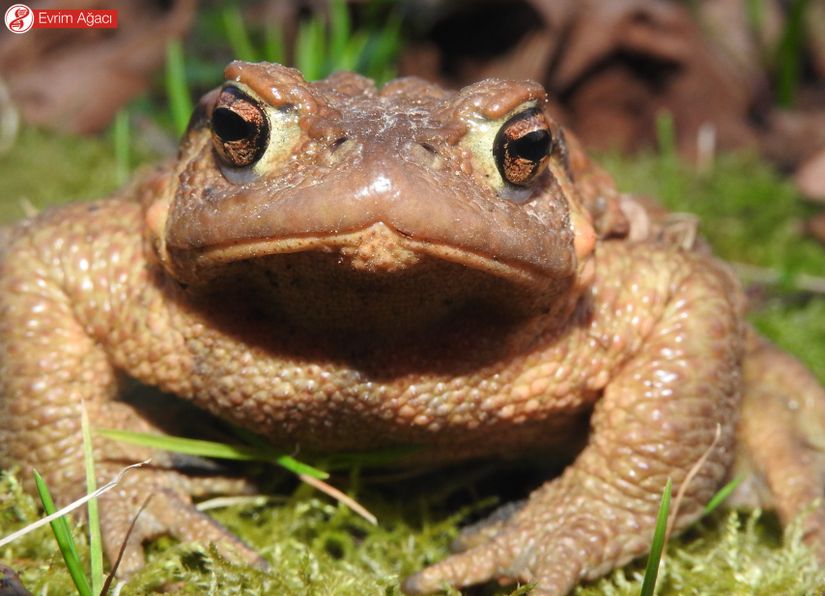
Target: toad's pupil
534,146
229,126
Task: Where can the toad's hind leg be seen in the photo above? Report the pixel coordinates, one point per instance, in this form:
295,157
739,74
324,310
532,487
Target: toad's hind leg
782,437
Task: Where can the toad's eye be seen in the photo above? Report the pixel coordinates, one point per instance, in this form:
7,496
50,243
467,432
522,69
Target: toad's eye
240,128
522,147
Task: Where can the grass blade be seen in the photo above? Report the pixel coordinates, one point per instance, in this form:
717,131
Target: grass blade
339,28
296,467
274,43
342,498
212,449
310,55
656,548
723,493
238,35
666,135
63,535
95,541
47,519
177,90
120,132
382,50
348,59
789,54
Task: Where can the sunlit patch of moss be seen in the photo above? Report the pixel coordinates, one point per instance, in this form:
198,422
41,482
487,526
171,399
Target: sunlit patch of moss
315,547
728,553
797,328
311,546
46,168
748,211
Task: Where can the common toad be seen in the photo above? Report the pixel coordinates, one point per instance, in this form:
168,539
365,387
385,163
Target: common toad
338,267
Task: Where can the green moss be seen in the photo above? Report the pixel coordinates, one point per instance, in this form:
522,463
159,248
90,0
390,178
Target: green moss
311,545
46,169
315,547
728,553
748,212
320,548
35,556
798,328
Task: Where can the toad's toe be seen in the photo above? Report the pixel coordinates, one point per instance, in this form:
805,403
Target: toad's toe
168,510
551,560
486,529
474,566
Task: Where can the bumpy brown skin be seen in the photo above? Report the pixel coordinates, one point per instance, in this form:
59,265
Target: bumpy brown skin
368,283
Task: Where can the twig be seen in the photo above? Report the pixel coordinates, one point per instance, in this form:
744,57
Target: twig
688,479
9,119
244,500
71,506
111,577
763,275
341,497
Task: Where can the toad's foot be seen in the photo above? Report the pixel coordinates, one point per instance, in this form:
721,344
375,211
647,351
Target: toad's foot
168,510
782,440
553,541
166,486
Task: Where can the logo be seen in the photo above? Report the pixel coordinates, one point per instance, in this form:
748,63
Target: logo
19,18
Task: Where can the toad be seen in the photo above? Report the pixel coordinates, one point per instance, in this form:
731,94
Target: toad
340,267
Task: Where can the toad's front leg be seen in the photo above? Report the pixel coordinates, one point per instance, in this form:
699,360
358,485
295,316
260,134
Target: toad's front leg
658,416
75,297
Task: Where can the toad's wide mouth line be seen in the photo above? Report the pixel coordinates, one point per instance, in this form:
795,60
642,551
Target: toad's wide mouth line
526,274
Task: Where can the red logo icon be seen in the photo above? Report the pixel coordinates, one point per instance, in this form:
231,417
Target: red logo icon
19,18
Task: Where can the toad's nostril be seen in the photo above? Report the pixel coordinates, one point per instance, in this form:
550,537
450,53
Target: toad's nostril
424,154
343,149
336,144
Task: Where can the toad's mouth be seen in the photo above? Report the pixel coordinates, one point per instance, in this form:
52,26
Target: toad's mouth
377,249
376,280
